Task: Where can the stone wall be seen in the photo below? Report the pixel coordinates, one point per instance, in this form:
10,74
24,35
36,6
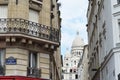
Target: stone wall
22,61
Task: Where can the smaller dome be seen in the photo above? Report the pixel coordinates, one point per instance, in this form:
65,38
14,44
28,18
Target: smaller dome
77,41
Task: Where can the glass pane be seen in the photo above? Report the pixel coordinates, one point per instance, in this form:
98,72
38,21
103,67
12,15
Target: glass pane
2,51
33,60
0,58
29,59
3,11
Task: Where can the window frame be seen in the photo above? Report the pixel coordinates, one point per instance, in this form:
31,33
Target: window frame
33,55
2,64
2,57
76,76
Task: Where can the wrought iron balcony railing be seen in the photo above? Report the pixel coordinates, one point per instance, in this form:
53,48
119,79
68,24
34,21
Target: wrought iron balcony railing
22,26
33,72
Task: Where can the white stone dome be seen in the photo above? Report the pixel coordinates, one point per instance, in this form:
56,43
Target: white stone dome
77,42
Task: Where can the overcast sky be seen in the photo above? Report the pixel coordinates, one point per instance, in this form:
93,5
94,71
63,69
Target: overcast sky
73,14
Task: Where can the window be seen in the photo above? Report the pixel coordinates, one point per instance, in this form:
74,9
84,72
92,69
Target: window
74,70
32,69
118,1
75,62
3,14
106,70
76,76
2,53
70,70
16,2
33,60
66,64
33,15
62,76
66,58
2,56
3,11
65,70
70,76
119,76
119,29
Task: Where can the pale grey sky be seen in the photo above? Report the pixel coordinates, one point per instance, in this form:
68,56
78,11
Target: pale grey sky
73,14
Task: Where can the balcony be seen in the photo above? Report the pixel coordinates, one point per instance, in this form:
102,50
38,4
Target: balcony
33,72
25,27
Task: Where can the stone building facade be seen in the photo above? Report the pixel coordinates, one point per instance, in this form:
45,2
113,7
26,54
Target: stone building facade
104,38
30,40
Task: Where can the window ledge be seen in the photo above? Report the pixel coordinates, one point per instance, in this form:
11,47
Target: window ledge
118,44
116,5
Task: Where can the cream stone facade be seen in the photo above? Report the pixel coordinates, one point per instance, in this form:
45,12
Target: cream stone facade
30,39
71,60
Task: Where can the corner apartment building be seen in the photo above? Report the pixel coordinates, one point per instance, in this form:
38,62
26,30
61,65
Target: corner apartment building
30,40
104,39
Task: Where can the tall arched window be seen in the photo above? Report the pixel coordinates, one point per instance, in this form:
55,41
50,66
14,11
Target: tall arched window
75,62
